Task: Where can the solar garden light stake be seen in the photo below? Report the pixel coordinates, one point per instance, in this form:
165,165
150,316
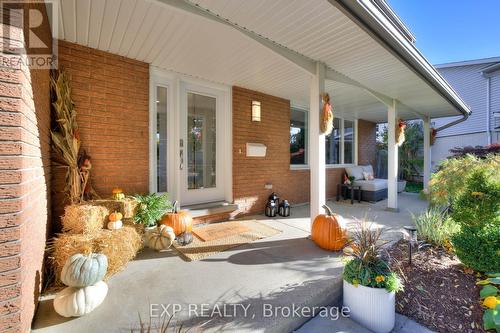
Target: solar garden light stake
412,234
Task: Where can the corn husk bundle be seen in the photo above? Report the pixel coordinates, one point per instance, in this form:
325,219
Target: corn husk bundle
400,132
433,133
84,219
326,124
127,206
120,246
66,141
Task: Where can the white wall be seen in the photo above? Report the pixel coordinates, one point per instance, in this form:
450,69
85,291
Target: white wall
442,146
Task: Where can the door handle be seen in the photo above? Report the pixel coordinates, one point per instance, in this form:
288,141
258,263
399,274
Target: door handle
181,156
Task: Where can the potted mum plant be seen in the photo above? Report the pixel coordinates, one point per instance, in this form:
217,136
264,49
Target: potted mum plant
370,285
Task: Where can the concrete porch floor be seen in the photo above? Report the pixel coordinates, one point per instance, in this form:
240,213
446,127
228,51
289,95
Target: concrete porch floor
280,271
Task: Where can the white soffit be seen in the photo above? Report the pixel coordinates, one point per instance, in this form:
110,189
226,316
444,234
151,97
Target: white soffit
169,38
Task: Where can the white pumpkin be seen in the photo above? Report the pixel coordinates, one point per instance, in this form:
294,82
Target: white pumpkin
161,238
114,225
75,302
84,270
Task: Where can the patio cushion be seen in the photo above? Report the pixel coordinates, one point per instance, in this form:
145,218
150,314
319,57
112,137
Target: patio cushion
355,171
372,185
367,168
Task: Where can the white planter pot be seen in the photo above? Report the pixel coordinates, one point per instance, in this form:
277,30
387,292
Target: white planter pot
374,308
401,185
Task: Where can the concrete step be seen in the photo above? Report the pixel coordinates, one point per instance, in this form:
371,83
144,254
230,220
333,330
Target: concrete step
211,211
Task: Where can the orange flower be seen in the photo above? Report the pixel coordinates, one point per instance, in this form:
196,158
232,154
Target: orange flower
380,278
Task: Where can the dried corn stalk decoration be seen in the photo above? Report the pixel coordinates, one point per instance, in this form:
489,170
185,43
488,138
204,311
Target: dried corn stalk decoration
433,136
66,137
400,132
326,122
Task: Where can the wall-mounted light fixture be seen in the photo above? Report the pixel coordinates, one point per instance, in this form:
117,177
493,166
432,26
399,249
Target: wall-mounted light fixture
255,111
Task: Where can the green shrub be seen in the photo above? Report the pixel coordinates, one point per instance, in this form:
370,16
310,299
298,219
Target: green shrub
151,208
448,183
478,248
435,227
476,208
479,204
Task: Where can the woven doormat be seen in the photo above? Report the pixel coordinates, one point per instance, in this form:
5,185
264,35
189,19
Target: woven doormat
199,249
220,230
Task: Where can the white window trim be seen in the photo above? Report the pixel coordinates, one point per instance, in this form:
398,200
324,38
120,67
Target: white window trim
331,166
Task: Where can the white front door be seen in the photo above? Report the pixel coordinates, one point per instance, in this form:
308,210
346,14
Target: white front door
190,139
201,145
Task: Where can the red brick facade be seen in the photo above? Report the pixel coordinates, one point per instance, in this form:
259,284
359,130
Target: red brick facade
251,174
111,96
24,179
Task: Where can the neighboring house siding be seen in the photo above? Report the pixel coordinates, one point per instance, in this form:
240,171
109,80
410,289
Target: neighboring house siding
111,96
470,84
251,174
25,175
442,146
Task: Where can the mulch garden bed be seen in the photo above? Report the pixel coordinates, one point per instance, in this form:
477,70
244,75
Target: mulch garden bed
438,293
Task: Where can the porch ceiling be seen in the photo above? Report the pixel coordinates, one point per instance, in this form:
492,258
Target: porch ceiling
173,39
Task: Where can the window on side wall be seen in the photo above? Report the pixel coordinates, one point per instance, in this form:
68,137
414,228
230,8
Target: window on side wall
298,137
340,144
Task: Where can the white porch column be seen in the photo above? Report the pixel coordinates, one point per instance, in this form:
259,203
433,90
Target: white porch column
427,152
316,142
392,158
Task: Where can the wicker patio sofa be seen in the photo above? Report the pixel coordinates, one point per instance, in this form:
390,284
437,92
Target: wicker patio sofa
371,190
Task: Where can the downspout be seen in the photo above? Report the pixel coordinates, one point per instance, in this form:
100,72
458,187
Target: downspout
488,111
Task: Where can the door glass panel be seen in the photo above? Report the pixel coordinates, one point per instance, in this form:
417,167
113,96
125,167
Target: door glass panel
161,139
201,139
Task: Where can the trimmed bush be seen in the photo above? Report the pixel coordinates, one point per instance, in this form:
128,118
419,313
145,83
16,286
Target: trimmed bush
479,248
477,209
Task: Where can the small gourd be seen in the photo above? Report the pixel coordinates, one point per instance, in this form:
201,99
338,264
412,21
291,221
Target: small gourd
329,231
82,271
115,221
75,302
185,238
115,225
161,238
118,194
180,221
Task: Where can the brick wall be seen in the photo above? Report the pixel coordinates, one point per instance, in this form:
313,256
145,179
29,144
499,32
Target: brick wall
367,137
111,96
251,174
24,178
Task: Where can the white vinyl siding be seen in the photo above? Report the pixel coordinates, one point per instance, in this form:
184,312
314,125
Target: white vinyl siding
470,84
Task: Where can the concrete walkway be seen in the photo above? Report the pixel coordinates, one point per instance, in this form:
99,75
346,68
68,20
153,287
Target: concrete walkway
259,282
346,325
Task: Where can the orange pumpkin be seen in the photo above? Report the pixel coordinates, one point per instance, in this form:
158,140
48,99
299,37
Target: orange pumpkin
116,216
328,231
180,221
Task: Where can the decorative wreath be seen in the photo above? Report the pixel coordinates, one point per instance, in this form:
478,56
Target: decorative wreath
400,132
326,121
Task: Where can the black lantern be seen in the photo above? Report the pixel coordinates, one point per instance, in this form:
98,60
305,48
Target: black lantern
412,240
274,198
284,208
271,209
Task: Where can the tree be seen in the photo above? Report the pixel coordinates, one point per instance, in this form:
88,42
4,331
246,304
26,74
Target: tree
410,152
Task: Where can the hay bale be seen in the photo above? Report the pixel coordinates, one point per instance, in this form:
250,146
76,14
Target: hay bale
120,246
84,219
127,206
